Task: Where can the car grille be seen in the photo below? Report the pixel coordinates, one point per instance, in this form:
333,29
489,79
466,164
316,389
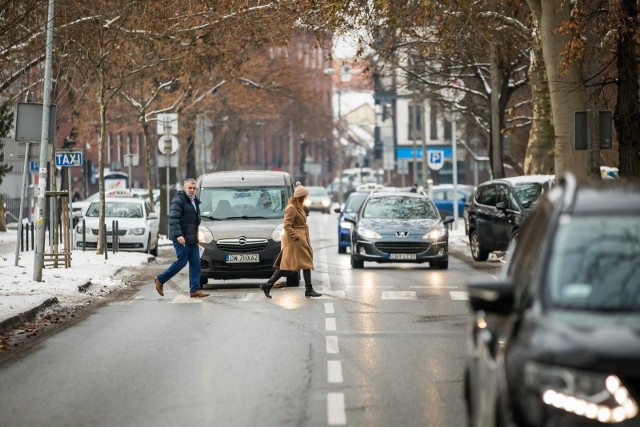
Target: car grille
94,231
402,247
235,245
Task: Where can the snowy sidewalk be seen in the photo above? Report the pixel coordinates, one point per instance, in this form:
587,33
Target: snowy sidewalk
90,275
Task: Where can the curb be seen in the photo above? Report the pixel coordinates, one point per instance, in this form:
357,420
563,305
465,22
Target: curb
12,322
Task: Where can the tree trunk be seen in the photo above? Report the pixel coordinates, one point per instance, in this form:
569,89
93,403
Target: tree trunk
495,148
103,136
539,157
147,159
565,86
627,118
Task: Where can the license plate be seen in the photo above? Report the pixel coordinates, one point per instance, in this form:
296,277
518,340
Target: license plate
402,256
243,258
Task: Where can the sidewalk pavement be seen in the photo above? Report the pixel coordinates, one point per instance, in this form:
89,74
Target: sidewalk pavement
90,276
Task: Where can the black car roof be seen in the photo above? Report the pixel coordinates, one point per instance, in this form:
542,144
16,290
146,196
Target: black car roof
601,196
515,180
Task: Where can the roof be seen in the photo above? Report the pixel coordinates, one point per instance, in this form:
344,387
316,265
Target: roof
515,180
242,178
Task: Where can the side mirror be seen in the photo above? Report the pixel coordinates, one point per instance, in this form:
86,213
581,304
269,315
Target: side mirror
350,219
491,297
448,220
153,215
337,209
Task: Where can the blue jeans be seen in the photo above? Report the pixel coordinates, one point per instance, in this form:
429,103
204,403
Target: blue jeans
186,254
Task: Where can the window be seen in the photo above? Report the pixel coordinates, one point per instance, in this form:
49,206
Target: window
415,121
488,195
433,128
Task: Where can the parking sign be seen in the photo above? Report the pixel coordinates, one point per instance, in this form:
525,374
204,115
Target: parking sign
435,159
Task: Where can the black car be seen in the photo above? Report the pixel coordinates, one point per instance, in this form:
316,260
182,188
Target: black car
556,340
497,210
399,227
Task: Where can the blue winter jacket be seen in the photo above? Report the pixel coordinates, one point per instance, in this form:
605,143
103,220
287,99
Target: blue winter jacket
183,218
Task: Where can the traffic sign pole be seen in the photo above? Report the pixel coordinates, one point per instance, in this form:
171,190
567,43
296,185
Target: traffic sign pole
38,258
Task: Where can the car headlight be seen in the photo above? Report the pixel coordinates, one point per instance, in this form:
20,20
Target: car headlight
137,231
368,234
278,232
437,232
307,202
345,225
588,394
204,235
326,203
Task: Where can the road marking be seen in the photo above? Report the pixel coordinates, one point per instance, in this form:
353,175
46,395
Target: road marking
184,299
334,371
433,287
252,296
324,275
332,344
459,295
398,295
330,324
328,308
336,414
372,286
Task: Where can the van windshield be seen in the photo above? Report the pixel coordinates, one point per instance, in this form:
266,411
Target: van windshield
249,203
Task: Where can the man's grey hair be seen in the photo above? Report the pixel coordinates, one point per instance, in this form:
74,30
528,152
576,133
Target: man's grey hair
190,181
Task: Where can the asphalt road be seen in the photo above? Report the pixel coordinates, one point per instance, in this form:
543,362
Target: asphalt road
384,346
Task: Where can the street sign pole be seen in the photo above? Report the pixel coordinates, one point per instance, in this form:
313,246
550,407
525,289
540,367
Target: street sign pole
38,259
22,195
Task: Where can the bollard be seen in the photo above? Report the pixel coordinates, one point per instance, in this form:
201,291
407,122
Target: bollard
21,237
33,246
113,236
106,250
116,236
84,236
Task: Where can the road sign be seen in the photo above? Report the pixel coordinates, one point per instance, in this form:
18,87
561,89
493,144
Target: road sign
435,159
168,142
29,122
14,151
33,166
167,123
68,158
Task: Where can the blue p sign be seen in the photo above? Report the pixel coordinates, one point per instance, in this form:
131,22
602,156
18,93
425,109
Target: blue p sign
435,159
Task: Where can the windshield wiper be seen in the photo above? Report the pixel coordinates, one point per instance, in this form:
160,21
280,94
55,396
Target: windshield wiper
212,218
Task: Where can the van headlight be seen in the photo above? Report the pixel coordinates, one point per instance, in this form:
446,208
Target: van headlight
278,232
307,202
204,235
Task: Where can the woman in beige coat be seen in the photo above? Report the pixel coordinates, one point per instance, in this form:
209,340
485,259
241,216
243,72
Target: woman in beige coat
296,253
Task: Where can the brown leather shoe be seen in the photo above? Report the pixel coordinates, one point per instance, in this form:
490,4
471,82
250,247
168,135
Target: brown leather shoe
158,286
199,294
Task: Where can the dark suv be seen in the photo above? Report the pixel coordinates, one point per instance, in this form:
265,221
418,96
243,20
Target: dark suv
497,210
556,340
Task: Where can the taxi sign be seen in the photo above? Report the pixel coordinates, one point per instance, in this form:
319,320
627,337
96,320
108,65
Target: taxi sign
68,158
118,193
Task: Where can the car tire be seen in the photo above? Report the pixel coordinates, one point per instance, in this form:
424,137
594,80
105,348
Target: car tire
342,249
355,262
439,265
293,280
477,252
154,251
148,245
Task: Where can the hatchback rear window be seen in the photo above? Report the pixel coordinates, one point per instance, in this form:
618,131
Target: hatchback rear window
594,264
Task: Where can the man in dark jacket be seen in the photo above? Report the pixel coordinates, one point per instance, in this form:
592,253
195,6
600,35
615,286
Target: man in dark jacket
184,219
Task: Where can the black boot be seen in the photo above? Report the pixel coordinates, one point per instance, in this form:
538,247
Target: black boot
309,292
266,288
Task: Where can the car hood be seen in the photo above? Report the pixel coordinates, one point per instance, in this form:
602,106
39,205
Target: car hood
586,339
390,226
251,228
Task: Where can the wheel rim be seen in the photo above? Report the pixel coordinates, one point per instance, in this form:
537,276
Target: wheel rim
475,245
